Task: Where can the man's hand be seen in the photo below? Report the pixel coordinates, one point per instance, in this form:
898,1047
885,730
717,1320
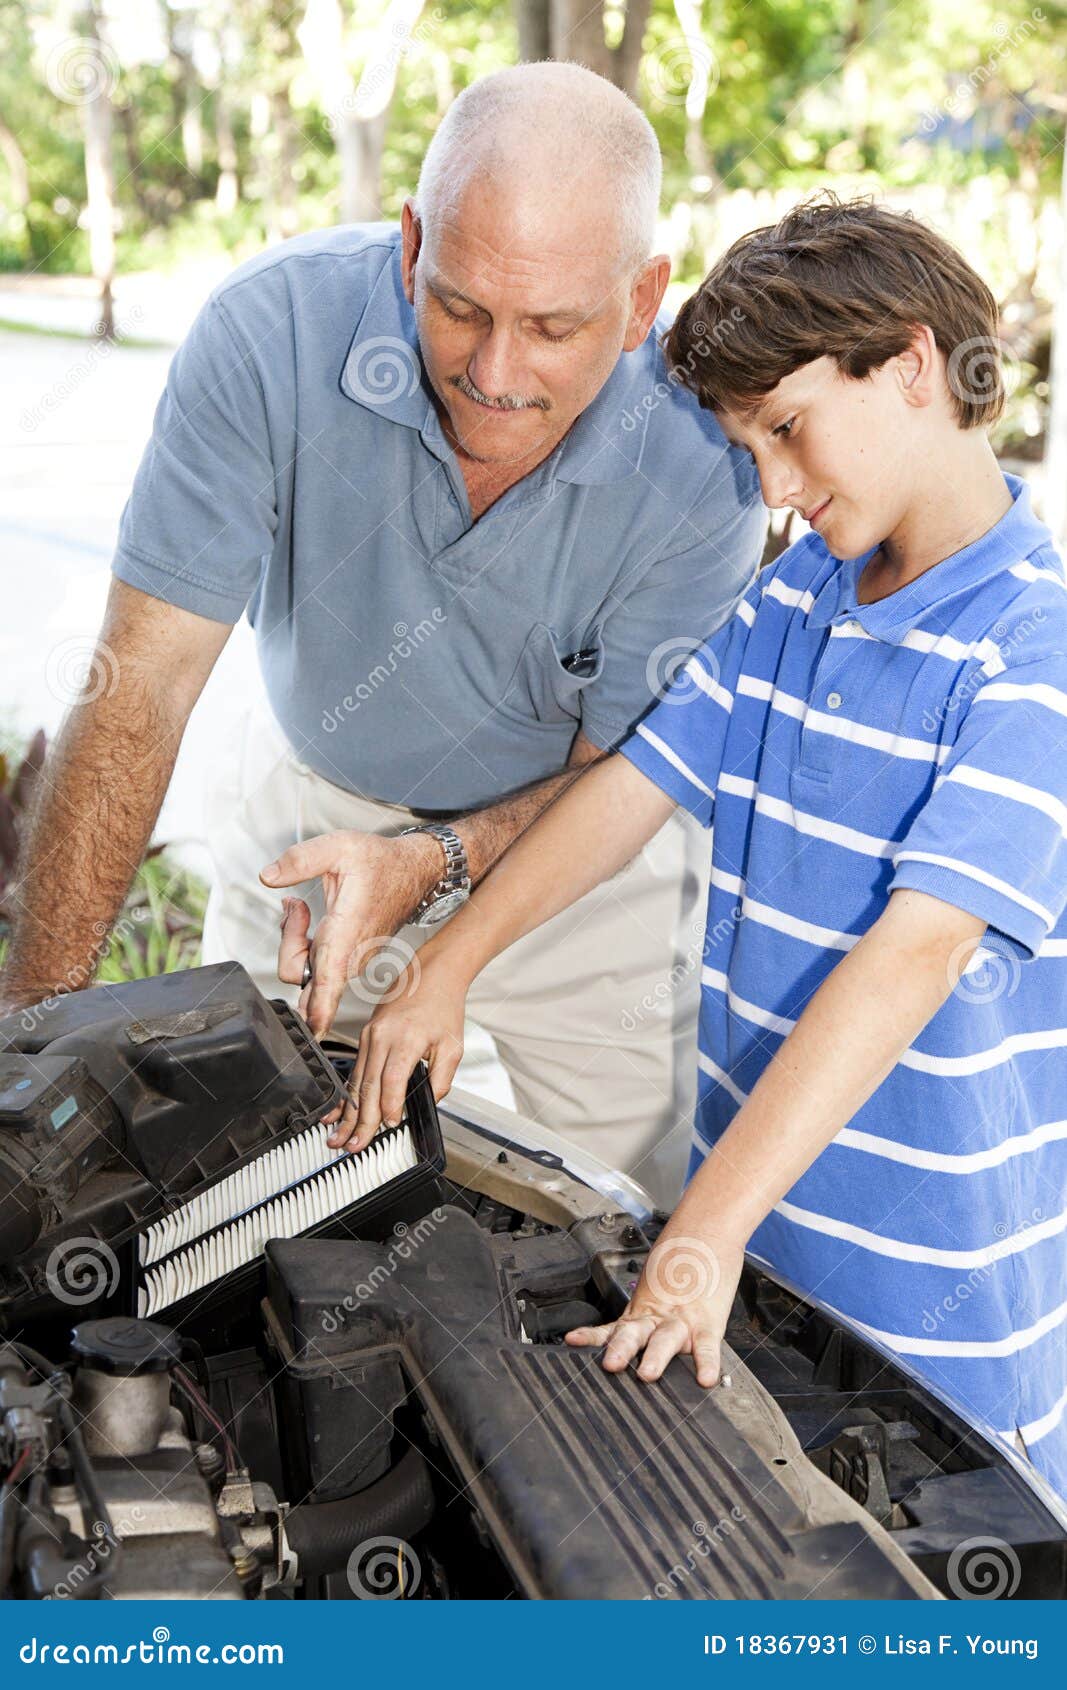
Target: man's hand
680,1306
371,886
422,1018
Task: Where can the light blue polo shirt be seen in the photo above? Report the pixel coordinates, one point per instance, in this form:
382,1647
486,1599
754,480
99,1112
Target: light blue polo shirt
843,750
297,467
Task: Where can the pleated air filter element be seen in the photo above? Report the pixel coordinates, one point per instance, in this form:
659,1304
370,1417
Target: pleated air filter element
296,1187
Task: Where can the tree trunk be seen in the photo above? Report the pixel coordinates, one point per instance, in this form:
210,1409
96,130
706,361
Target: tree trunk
15,159
1056,437
533,19
701,65
574,30
361,141
186,90
855,77
284,189
358,116
100,183
577,33
626,57
227,189
134,172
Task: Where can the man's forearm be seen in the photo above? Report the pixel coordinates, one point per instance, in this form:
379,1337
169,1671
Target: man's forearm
852,1033
97,800
486,834
99,793
587,834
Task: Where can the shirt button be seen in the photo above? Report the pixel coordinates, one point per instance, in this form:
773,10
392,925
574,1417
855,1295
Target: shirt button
452,499
833,701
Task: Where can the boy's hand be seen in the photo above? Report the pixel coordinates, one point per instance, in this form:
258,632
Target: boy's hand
680,1306
423,1018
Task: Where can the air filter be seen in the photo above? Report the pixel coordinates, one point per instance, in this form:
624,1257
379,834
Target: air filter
295,1188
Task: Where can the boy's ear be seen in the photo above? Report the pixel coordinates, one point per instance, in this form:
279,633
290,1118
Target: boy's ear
919,369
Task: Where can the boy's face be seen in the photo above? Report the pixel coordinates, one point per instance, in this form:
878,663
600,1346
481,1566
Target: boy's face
836,449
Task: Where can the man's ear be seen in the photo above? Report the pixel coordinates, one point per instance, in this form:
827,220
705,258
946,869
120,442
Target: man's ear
411,243
919,368
646,297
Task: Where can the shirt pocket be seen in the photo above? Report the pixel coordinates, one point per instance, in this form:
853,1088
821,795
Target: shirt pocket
542,689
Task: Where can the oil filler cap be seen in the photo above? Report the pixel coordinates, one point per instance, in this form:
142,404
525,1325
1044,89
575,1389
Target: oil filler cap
125,1347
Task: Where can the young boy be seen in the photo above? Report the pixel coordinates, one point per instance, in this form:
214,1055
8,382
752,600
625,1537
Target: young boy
880,737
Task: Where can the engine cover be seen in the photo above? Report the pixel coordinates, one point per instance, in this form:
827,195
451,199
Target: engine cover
590,1485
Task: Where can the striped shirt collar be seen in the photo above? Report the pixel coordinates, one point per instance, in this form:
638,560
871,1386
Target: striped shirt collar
1013,538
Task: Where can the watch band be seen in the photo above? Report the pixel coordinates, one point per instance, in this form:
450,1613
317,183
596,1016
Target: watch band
456,877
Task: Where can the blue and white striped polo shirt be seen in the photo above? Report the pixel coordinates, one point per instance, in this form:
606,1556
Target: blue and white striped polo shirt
847,750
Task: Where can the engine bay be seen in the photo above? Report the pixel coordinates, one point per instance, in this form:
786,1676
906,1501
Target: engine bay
236,1366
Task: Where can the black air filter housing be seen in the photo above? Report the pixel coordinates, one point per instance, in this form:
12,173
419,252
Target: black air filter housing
120,1101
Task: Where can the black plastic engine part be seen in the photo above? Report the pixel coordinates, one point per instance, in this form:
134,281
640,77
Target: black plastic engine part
552,1453
56,1127
324,1534
125,1348
894,1446
153,1087
118,1104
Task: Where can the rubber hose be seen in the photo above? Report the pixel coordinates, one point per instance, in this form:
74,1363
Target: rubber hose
323,1535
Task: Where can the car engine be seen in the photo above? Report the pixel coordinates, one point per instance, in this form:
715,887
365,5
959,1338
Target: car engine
236,1365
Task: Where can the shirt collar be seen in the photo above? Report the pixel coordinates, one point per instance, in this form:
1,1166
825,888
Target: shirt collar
383,371
1013,538
382,368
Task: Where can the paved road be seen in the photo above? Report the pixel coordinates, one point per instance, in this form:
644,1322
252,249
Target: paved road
147,306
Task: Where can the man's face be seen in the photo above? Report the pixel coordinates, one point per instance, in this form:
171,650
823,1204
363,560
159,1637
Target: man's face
837,449
521,318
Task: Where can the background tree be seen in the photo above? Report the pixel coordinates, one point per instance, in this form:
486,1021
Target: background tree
606,38
220,124
358,109
96,76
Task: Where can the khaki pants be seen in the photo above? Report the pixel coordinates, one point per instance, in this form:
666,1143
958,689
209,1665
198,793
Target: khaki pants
593,1014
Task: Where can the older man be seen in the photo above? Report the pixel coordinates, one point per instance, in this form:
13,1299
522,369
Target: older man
474,529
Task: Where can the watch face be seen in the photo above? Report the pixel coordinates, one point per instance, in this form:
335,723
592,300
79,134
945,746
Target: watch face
443,908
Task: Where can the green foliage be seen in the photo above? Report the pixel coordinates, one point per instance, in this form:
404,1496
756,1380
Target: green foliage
925,97
803,90
159,929
19,768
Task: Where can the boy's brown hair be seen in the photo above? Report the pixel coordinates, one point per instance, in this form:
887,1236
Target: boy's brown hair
849,281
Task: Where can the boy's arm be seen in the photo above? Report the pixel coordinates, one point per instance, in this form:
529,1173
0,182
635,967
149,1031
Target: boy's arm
855,1028
602,820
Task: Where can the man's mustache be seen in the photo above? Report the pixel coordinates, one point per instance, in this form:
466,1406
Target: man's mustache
508,402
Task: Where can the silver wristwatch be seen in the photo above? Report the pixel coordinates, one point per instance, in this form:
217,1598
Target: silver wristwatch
454,886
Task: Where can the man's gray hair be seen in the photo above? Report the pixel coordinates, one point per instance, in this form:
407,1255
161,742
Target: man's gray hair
554,117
